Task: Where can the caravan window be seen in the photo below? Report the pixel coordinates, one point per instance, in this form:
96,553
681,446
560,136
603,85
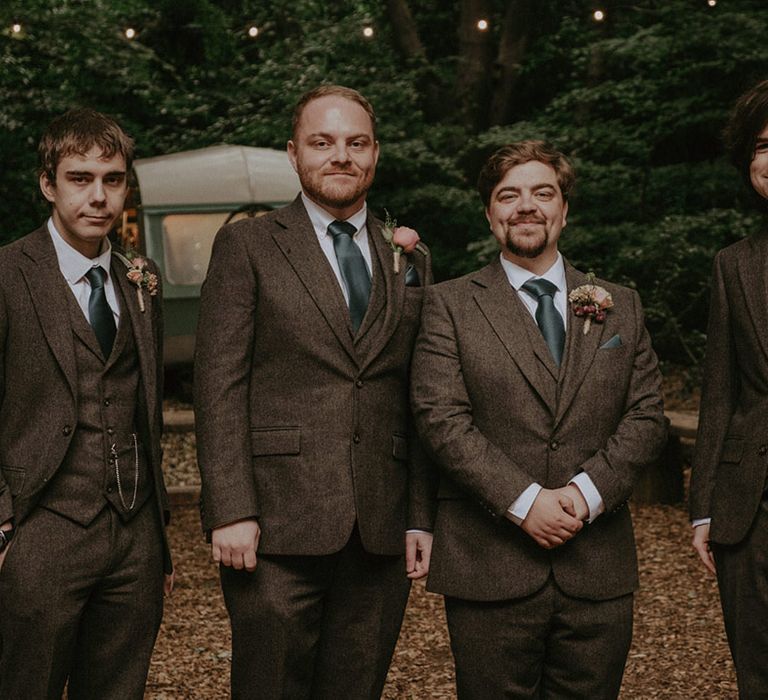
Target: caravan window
187,243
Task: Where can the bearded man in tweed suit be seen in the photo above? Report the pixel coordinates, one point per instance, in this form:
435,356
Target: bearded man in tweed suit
311,471
539,410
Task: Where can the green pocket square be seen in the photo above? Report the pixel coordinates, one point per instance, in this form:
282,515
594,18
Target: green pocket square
614,342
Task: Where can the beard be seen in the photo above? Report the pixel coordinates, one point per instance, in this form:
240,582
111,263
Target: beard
531,244
331,194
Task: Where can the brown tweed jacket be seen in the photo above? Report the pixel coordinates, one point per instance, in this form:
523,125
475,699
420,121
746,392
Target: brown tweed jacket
497,415
38,377
298,422
731,458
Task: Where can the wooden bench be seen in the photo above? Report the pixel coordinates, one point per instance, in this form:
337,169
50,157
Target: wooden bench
663,482
660,483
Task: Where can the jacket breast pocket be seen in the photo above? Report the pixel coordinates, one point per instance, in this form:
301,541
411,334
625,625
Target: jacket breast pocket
275,441
14,477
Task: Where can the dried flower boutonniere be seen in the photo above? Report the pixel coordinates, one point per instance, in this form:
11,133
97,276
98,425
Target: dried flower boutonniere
139,275
402,240
590,301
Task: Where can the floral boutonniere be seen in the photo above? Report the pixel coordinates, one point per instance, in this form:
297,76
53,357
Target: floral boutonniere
402,240
139,275
590,301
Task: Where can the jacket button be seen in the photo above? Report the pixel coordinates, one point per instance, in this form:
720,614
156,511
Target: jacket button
762,449
554,445
356,438
106,402
359,383
66,430
110,430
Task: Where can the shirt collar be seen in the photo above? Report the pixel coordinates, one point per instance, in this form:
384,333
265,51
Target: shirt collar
518,276
321,219
72,263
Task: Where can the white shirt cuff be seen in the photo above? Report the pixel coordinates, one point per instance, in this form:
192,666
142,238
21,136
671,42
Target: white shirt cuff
700,521
592,496
518,511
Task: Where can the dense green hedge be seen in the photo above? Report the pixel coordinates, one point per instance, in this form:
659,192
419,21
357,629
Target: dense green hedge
639,101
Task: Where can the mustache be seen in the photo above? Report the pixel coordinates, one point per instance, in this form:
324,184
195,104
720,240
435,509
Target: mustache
525,220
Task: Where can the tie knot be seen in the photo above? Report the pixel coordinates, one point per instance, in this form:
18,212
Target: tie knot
96,276
339,228
540,288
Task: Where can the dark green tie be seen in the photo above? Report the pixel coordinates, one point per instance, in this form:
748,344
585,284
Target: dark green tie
547,316
354,271
99,313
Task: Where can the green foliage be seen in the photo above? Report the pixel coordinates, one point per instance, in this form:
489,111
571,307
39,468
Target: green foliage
638,101
641,114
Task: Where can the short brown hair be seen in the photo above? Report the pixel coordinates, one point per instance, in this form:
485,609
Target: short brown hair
77,132
507,157
747,120
336,91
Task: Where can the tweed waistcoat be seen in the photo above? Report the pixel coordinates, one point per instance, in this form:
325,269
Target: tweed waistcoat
103,445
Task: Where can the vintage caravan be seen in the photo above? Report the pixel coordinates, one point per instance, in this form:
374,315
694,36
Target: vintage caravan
184,199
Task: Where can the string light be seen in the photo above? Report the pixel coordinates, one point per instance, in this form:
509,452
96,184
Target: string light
598,15
711,3
367,32
16,28
253,31
482,24
130,33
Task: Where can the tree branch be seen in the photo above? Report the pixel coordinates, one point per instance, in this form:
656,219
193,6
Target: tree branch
512,47
405,30
475,58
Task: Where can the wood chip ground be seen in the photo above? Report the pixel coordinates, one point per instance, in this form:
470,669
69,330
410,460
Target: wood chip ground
679,649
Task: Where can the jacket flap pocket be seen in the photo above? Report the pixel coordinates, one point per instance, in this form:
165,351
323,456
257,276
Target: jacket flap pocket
275,441
14,477
732,450
400,447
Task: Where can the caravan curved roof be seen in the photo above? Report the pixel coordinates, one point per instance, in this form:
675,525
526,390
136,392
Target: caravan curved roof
217,175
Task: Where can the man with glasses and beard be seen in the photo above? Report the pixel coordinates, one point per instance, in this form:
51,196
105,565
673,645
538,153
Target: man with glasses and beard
729,501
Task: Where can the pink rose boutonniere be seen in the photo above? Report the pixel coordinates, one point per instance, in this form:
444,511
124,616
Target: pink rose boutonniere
139,276
590,301
402,240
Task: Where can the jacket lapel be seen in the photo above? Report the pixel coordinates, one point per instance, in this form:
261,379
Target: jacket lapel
508,318
48,290
391,302
81,327
379,283
752,276
580,349
143,331
299,244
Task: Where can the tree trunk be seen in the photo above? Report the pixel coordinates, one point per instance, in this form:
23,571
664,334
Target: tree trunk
512,47
473,78
405,31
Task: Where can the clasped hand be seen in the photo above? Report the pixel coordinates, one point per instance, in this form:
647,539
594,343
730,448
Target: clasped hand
556,516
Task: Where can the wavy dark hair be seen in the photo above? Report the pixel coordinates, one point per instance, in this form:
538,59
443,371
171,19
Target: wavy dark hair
748,119
75,133
507,157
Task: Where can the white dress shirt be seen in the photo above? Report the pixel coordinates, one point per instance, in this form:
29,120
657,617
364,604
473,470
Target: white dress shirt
517,277
73,265
321,219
